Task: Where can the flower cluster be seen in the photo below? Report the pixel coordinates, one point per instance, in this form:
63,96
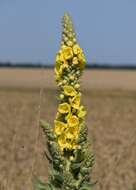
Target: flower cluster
70,61
68,145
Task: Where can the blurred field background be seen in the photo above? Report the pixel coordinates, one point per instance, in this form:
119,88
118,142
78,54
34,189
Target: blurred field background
28,95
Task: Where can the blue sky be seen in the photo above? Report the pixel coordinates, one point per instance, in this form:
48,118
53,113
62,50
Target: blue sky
30,30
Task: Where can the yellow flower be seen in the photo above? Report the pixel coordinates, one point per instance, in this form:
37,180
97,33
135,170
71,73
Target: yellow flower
77,49
64,108
81,58
72,133
81,112
57,67
59,127
75,60
58,116
57,58
73,121
60,58
75,101
67,53
69,90
62,141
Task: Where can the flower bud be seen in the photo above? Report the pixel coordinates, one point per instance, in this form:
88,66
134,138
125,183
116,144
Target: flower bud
60,83
77,86
78,72
65,39
74,40
71,158
69,43
64,81
72,77
72,83
61,96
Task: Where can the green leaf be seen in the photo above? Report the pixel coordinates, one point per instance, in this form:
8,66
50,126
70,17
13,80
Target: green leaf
75,166
44,124
47,129
39,185
48,157
87,186
58,177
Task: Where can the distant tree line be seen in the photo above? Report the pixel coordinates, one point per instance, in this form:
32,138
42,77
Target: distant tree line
88,66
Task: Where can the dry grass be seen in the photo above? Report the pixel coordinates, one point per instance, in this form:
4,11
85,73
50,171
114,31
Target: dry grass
112,128
31,78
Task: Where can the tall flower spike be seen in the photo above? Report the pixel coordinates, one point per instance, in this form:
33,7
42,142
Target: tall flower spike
67,142
70,62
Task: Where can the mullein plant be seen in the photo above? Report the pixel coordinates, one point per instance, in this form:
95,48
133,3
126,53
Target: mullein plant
68,146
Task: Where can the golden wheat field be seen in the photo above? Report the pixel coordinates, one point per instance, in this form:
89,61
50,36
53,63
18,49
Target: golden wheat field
27,95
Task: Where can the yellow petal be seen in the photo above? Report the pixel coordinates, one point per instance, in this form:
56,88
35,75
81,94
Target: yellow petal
75,102
69,90
59,127
72,133
57,67
73,121
68,115
64,108
67,53
81,112
75,60
77,49
81,59
62,141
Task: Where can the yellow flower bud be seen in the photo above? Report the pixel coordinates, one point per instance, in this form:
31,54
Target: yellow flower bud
77,86
72,77
69,43
81,112
81,58
61,96
77,49
75,60
74,40
64,81
71,158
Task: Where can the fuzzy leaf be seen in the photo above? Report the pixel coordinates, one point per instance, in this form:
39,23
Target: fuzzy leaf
58,177
48,157
39,185
75,166
47,130
87,186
